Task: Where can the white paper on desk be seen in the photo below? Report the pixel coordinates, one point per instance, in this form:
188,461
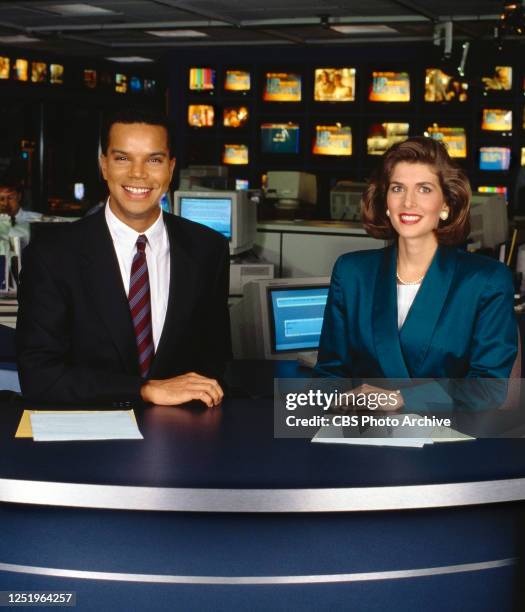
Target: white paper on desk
73,426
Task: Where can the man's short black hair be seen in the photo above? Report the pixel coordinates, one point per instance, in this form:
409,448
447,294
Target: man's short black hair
134,115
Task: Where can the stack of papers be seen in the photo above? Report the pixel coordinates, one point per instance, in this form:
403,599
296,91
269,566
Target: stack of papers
78,425
420,437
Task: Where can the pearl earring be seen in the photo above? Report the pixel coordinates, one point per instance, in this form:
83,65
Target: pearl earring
443,215
387,213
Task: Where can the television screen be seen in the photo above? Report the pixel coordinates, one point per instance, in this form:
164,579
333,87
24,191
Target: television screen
106,80
334,85
38,72
202,79
237,80
454,138
4,67
214,212
56,74
442,87
282,87
200,115
332,140
500,80
235,116
280,138
90,78
21,70
381,136
390,87
523,156
242,184
150,85
135,84
235,154
297,317
493,189
496,120
494,158
121,83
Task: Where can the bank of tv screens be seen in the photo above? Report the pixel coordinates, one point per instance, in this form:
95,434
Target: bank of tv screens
493,189
38,72
334,85
235,116
296,317
121,83
390,87
4,67
202,79
282,87
56,74
454,138
135,84
500,80
90,78
332,140
235,154
494,158
21,70
280,138
381,136
201,115
237,80
496,120
442,87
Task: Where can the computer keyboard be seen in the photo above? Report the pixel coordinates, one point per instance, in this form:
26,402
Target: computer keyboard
308,359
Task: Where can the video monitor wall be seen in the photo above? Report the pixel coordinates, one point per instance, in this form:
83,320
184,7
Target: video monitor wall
454,138
282,87
280,137
442,87
381,136
499,80
201,115
334,85
390,87
494,158
496,120
332,140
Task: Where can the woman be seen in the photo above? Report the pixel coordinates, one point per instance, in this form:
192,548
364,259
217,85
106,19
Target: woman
420,308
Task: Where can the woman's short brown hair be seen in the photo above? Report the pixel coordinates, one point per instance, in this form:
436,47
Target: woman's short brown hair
453,181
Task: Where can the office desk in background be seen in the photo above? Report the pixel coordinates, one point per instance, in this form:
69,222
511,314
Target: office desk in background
210,512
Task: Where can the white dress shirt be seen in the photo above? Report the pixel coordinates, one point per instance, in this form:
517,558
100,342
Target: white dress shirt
157,258
405,296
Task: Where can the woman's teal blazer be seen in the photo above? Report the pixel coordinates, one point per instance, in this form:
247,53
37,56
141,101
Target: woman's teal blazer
461,323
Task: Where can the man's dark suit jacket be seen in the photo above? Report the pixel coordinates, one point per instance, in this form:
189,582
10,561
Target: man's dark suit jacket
75,338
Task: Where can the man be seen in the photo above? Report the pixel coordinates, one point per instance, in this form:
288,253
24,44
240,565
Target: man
10,203
128,303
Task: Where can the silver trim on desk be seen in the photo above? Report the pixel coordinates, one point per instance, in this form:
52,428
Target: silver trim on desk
238,580
354,499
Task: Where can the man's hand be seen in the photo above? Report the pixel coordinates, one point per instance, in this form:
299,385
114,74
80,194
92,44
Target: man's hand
182,389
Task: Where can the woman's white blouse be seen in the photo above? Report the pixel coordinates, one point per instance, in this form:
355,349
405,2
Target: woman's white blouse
405,297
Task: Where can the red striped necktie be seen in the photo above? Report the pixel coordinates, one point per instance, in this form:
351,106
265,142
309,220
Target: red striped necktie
140,306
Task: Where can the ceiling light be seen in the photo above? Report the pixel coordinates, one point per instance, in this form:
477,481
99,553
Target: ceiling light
18,38
78,9
177,33
363,29
129,59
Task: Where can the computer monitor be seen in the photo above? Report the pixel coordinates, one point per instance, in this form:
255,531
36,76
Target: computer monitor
291,188
488,219
230,213
280,318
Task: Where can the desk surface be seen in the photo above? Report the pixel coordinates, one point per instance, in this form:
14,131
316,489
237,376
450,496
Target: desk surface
227,460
